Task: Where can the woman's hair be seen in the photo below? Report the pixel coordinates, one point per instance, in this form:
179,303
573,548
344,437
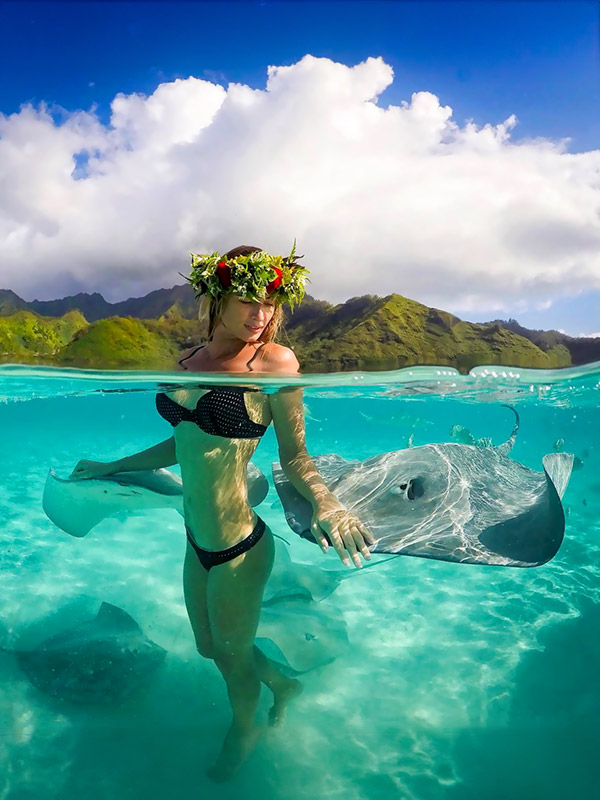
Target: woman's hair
212,307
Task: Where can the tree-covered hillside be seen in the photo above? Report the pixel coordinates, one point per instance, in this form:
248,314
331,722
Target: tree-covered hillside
364,333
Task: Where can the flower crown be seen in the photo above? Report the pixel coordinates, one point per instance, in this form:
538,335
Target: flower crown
254,276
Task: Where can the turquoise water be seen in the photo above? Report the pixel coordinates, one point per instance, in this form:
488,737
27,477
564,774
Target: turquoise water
457,681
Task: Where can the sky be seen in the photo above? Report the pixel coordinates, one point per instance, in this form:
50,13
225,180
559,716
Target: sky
447,151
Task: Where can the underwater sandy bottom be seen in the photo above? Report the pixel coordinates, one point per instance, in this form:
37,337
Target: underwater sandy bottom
461,681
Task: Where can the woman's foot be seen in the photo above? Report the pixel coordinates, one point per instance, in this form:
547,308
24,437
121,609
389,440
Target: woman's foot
292,688
237,746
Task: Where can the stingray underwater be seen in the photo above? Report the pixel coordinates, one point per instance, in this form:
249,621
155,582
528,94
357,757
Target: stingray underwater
456,502
296,629
90,658
97,654
467,504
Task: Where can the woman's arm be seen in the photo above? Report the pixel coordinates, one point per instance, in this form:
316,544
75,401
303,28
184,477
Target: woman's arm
331,521
287,410
288,420
160,455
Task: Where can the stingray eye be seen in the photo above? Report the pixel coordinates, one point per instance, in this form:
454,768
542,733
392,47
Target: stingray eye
400,489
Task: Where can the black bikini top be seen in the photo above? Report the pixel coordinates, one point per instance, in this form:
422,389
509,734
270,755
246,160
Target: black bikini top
220,412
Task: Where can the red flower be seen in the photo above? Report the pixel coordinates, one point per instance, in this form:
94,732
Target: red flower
224,274
276,282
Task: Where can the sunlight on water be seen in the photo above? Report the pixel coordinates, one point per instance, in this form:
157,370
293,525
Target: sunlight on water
449,681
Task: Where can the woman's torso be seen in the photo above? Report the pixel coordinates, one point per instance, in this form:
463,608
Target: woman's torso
213,467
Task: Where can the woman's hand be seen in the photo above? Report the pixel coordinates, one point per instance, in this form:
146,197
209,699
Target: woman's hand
345,530
92,469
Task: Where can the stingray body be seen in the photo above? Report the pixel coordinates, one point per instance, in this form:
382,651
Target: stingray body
295,629
77,506
90,652
450,502
98,661
301,635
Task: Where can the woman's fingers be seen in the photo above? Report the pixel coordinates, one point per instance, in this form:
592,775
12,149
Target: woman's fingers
366,533
338,543
86,469
320,537
349,537
344,537
360,541
350,544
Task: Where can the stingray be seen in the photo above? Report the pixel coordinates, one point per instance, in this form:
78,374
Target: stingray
450,502
301,635
102,658
290,578
95,661
77,506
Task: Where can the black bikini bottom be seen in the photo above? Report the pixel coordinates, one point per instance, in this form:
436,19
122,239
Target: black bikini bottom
210,558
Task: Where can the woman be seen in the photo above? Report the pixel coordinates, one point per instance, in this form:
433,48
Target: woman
230,550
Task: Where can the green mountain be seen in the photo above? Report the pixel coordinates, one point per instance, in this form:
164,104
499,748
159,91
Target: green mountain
10,302
583,349
364,333
394,332
28,338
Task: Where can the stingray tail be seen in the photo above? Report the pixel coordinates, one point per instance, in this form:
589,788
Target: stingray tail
345,575
290,672
507,446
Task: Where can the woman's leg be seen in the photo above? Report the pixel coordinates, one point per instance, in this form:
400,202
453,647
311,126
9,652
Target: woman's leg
195,580
284,689
235,591
234,597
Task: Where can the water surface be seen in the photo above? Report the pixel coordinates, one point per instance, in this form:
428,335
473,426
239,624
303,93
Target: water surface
461,681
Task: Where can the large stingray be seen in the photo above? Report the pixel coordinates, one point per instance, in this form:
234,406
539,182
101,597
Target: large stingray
301,635
92,652
95,661
77,506
451,502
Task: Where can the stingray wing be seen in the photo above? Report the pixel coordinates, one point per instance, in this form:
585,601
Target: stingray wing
96,661
476,507
77,506
534,537
308,634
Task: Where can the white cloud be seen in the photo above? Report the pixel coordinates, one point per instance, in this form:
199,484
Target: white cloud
397,199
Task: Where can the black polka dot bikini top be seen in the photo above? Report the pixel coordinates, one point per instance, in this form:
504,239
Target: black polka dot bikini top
220,412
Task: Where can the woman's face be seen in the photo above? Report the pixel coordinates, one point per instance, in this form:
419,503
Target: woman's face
247,319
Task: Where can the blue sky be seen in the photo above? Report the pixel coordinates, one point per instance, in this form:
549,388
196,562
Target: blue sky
537,60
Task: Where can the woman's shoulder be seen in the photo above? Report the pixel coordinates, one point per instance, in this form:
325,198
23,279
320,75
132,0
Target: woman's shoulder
189,351
185,354
279,358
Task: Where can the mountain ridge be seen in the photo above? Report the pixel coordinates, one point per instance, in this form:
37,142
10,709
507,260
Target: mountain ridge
364,332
